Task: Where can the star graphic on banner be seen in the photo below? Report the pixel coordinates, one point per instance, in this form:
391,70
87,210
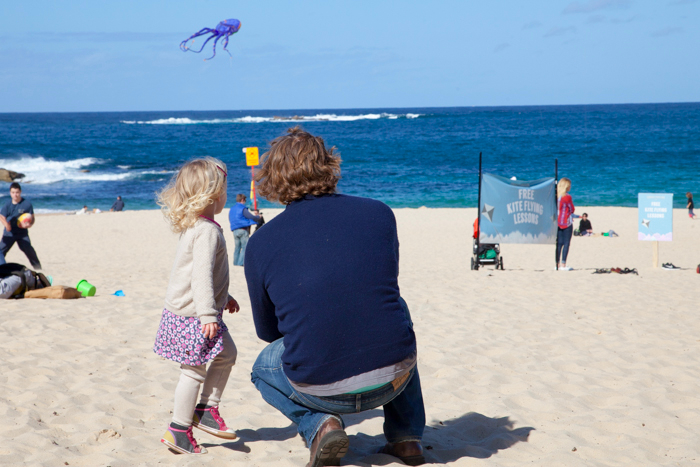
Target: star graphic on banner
488,211
645,223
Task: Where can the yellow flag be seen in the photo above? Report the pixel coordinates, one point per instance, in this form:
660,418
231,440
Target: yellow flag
251,156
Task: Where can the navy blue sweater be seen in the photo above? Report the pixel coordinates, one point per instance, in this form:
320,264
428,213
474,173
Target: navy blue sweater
324,275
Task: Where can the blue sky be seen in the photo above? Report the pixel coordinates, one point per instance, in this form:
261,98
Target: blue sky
123,55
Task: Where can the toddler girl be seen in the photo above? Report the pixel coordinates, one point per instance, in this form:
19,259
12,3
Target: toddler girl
690,205
191,330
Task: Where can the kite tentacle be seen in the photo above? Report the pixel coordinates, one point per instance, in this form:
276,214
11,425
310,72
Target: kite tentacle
205,43
226,44
183,44
214,47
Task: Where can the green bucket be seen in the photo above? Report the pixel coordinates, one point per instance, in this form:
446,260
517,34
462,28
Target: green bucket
85,288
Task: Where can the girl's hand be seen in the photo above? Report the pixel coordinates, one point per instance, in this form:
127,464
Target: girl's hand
232,306
210,330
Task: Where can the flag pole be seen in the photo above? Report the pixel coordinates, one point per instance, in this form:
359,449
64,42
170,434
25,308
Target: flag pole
255,199
478,217
556,210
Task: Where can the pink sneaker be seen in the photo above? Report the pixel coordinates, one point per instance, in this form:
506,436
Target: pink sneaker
181,440
208,419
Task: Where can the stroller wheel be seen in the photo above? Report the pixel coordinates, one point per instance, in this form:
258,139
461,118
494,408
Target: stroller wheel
472,265
500,263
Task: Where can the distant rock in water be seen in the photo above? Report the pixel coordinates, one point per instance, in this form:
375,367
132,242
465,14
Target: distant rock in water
294,117
9,176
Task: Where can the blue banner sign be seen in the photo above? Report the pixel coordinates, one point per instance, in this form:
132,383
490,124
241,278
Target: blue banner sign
515,211
655,217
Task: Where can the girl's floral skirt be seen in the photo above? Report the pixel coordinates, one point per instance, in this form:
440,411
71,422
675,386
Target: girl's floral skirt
180,339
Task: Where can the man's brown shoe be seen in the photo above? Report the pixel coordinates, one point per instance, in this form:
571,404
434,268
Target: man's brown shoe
330,444
410,452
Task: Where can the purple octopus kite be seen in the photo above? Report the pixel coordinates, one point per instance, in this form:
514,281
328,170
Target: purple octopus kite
226,28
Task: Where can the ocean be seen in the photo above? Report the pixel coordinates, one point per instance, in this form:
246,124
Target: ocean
404,157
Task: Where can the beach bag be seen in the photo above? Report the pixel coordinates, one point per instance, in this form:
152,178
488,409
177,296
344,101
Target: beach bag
488,254
31,280
54,291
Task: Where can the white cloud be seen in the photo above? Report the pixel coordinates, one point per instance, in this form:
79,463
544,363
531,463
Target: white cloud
667,31
622,21
532,25
595,19
112,36
595,5
554,32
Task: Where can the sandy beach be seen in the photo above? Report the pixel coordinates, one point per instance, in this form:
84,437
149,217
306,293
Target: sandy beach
527,366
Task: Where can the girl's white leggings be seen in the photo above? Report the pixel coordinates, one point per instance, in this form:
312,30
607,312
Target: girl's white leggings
214,379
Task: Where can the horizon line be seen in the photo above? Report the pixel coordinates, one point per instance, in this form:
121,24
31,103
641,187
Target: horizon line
356,108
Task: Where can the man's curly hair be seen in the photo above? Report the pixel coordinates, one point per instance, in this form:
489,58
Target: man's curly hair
296,165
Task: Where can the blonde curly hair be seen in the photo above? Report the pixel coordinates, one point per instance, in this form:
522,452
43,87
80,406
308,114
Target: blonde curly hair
197,184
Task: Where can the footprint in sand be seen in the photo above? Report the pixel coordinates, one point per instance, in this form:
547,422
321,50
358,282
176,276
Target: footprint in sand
103,436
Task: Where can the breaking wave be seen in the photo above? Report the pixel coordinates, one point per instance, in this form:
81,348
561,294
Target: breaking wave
40,171
274,119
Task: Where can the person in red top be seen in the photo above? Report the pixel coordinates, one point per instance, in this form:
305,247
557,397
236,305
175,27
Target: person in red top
565,222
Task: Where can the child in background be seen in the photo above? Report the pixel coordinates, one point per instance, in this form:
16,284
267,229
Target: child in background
585,228
691,205
191,330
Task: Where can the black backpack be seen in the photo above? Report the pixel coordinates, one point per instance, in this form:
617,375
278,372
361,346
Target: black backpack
31,280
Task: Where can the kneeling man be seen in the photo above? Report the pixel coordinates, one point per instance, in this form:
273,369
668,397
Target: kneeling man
323,283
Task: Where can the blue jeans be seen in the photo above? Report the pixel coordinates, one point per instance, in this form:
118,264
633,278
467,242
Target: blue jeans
240,237
9,285
563,241
24,244
404,413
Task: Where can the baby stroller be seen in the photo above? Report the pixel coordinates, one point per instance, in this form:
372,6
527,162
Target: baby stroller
485,253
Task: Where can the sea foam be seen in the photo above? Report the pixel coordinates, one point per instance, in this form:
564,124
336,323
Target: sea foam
274,119
40,171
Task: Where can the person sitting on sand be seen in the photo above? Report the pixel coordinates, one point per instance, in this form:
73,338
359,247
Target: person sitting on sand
82,211
584,226
323,283
118,205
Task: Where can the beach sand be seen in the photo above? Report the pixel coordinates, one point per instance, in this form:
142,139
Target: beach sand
526,366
